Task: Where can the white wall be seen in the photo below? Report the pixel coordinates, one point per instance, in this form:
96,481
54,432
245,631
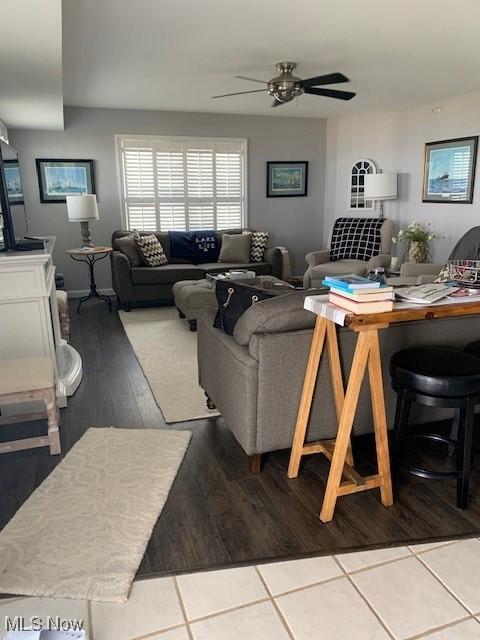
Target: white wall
395,141
89,133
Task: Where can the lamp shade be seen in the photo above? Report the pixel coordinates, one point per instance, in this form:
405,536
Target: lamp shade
82,208
380,186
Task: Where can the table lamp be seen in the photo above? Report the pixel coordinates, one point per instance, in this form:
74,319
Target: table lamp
380,186
83,209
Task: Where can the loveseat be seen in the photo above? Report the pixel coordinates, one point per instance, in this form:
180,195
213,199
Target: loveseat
137,283
255,377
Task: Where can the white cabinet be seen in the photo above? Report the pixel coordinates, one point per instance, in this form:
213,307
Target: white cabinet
29,324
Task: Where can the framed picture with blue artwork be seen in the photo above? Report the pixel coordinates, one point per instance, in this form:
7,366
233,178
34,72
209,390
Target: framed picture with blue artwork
287,179
449,173
58,179
13,181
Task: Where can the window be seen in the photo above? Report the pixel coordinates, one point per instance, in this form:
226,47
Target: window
357,177
175,183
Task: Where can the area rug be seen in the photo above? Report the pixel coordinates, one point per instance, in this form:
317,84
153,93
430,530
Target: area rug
83,533
167,353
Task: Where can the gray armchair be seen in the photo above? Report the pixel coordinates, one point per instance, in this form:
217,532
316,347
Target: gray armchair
320,265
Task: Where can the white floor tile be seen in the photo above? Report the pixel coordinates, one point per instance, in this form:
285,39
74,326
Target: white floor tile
407,597
153,605
362,559
420,548
215,591
286,576
330,610
42,608
458,567
180,633
467,630
256,622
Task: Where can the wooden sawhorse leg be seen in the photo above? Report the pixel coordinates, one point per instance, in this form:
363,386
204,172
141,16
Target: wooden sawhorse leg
367,352
323,330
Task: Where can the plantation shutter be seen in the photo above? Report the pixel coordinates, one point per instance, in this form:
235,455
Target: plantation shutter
183,184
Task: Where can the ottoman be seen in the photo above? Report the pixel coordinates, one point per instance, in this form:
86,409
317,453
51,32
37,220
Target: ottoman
191,296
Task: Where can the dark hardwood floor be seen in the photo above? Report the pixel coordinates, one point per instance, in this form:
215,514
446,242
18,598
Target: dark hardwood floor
217,513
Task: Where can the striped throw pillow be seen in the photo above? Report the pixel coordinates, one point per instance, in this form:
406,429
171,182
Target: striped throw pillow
150,249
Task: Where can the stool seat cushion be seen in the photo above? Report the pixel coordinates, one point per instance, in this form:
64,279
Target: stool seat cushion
436,371
473,348
25,374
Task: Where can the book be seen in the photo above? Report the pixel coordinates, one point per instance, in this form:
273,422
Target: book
367,292
425,293
366,295
359,308
350,281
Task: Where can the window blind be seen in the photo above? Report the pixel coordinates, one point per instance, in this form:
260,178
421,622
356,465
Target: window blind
175,184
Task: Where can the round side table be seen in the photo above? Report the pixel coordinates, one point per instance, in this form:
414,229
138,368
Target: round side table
91,255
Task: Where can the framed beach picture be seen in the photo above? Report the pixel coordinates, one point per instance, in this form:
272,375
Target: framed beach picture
60,178
287,179
13,181
449,173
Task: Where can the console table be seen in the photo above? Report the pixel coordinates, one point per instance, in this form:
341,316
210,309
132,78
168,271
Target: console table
29,323
367,352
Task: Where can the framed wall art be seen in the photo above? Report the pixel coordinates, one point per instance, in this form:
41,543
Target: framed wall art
60,178
13,181
287,179
449,172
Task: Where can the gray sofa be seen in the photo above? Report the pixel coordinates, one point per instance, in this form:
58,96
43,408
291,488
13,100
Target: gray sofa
154,284
255,377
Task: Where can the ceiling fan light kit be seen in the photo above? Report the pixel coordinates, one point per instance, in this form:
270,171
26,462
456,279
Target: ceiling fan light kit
285,86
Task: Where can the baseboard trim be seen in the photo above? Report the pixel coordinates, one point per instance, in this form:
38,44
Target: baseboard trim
79,293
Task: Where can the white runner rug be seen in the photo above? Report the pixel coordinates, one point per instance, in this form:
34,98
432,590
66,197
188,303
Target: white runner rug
167,353
83,533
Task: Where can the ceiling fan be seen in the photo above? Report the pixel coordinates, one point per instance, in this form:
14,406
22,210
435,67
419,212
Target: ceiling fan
285,87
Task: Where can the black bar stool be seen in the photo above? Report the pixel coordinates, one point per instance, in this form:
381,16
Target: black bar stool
437,377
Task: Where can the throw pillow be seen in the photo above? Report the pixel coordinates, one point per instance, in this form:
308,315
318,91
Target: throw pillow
150,249
444,275
127,246
235,248
259,243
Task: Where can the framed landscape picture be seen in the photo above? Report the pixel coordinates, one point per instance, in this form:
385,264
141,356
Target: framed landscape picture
60,178
13,181
287,179
449,173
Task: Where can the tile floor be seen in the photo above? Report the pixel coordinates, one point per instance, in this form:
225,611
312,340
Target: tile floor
427,591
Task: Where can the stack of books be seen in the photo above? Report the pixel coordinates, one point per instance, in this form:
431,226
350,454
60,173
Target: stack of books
359,295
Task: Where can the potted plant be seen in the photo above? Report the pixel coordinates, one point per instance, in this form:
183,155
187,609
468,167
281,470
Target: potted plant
418,237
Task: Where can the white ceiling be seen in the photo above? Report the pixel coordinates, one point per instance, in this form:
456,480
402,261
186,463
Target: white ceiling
176,54
31,64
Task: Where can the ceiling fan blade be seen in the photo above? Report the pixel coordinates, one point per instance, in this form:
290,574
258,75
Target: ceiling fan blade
331,93
329,78
239,93
251,79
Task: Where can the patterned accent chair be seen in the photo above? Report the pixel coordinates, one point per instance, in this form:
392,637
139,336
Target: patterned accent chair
358,245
